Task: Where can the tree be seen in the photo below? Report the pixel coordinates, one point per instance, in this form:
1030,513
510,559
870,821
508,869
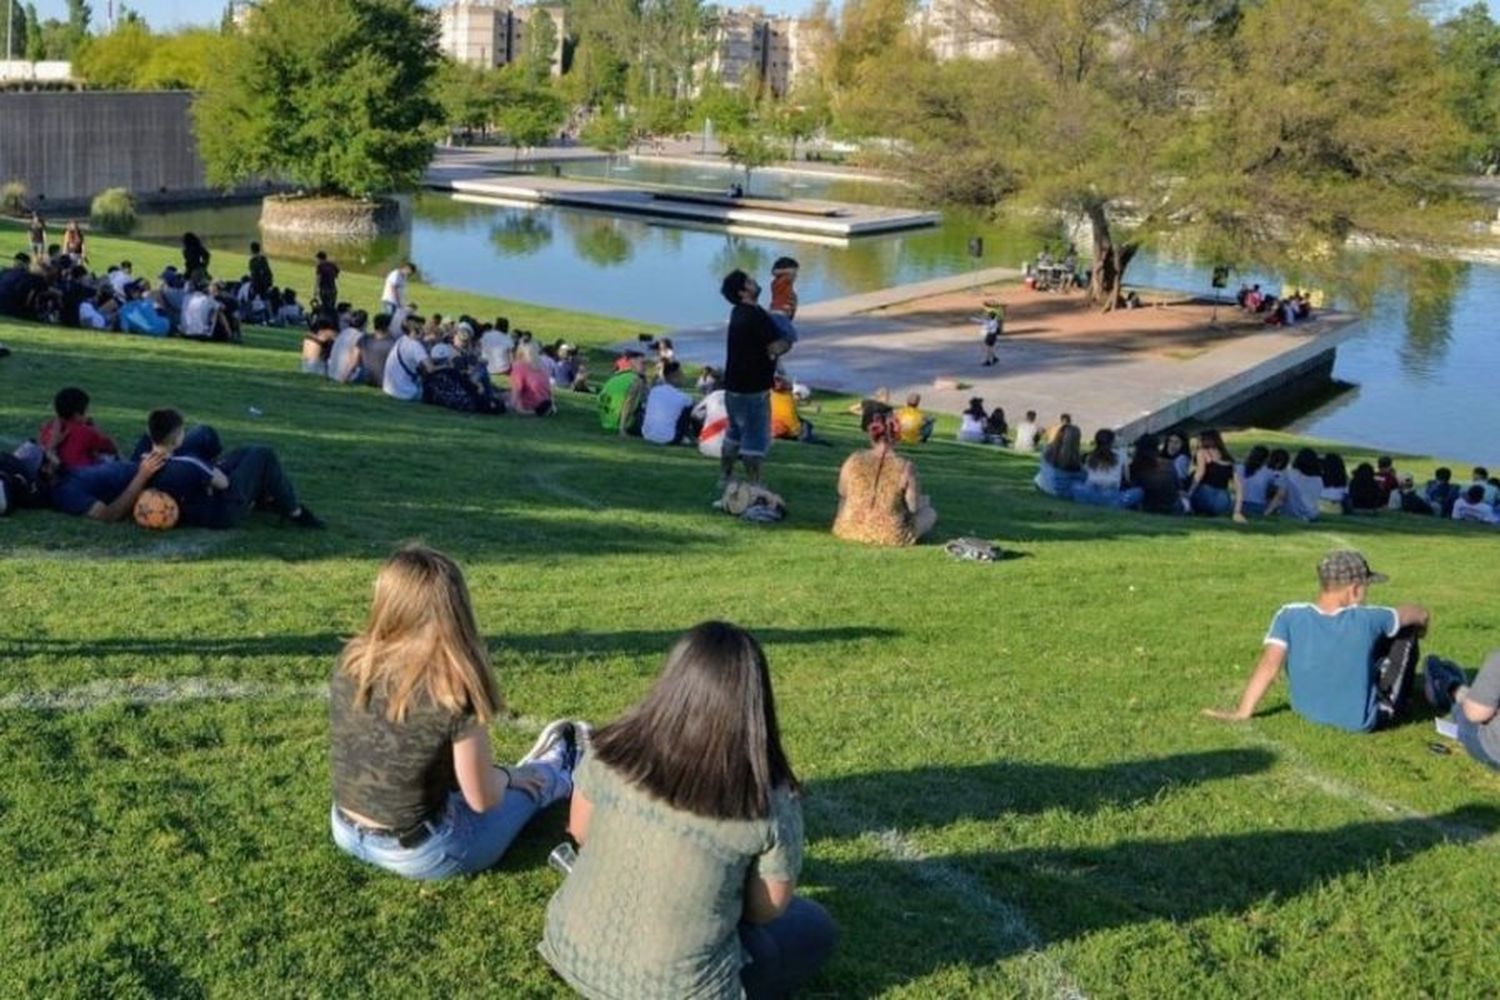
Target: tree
540,45
751,149
608,133
16,31
1188,121
1471,52
132,58
36,44
467,95
334,95
112,61
530,116
80,13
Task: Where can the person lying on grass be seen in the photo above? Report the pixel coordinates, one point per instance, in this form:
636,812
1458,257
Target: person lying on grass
219,494
1475,707
416,790
1348,665
106,492
689,822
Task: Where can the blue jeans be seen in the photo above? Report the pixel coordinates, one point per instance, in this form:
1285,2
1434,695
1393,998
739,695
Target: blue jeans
1253,507
1098,496
1211,501
1055,482
784,326
462,842
749,432
788,951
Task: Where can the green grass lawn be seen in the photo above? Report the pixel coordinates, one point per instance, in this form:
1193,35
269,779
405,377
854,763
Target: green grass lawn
1010,790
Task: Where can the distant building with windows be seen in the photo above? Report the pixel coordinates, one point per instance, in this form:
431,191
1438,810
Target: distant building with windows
959,29
748,48
491,33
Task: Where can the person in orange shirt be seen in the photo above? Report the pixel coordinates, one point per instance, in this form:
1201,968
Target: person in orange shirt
783,308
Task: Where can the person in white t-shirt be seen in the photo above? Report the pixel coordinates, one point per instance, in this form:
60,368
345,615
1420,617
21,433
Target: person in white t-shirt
497,348
199,313
1472,506
1026,433
120,277
343,358
393,296
404,369
669,410
714,417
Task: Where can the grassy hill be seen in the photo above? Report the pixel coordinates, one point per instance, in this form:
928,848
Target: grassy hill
1010,788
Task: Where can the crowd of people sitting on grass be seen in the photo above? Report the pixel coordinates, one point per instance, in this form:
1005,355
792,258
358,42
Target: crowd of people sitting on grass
1173,474
1286,310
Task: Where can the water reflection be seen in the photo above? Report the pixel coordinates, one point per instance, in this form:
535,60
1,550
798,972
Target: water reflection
521,235
1432,291
599,241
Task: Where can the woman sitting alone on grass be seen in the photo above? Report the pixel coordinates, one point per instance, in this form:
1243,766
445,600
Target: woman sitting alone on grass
1104,469
880,498
1061,469
689,824
1300,488
1213,472
415,787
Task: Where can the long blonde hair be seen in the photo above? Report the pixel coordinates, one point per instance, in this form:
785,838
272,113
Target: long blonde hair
421,639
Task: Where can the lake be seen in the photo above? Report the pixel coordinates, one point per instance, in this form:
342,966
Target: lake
1425,366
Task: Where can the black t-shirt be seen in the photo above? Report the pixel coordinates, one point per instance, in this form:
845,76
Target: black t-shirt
189,481
395,773
18,291
749,367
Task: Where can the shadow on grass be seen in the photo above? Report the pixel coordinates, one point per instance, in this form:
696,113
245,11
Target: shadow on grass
539,646
906,919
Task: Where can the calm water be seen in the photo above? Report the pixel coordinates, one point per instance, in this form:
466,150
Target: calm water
1426,364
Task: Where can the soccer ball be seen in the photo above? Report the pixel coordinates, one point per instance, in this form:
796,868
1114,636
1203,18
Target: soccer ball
156,511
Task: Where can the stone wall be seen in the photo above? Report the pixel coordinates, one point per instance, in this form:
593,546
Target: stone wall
67,147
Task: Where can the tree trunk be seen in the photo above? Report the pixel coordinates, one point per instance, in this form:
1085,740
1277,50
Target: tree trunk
1106,282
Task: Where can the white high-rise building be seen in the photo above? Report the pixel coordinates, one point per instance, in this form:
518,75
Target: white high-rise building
959,29
490,33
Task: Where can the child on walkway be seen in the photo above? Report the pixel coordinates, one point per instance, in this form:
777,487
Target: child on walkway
1348,665
994,325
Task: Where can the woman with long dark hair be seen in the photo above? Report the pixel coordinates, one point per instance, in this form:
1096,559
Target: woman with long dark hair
689,821
1300,488
1213,473
1105,471
1154,476
1335,478
1259,475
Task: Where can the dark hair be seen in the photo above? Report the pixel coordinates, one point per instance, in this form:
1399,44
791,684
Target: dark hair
70,402
883,426
704,739
1065,452
1443,475
320,255
254,247
1384,462
1166,439
1308,463
996,423
383,322
1258,457
1147,455
734,283
1480,472
671,368
1474,494
162,424
1211,438
1031,415
1066,418
1279,459
782,262
976,409
1335,473
1103,456
502,324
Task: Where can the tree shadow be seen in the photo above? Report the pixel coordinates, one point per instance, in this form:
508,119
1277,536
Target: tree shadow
1066,893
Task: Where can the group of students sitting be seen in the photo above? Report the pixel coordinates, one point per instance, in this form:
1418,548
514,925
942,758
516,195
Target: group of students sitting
73,467
1285,311
686,809
448,363
1172,476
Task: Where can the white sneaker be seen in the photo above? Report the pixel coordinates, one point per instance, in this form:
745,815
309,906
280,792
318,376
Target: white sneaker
556,745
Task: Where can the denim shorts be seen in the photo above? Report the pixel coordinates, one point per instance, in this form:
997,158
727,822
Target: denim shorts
749,432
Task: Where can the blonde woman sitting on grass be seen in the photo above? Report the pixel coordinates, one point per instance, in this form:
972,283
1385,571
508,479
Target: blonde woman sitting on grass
416,790
880,499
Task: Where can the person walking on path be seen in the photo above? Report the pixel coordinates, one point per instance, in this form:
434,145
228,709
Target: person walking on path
749,370
993,326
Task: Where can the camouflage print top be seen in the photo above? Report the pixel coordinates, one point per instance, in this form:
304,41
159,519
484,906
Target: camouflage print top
653,904
395,773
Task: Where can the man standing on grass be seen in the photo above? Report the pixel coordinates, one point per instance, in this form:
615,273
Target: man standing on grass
749,370
1348,665
393,295
326,281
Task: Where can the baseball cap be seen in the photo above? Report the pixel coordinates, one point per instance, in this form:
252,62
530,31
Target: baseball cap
1345,566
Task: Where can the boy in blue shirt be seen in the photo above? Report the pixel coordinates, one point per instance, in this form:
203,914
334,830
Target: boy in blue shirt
1348,665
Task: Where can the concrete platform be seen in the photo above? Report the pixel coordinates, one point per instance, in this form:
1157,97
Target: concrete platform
468,177
1132,370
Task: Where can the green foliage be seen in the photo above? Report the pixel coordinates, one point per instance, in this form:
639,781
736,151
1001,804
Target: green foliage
468,95
333,95
752,148
36,43
113,211
18,31
540,44
730,109
114,61
530,116
608,133
13,195
1471,54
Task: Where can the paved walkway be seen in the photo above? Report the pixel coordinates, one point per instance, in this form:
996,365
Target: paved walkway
1132,370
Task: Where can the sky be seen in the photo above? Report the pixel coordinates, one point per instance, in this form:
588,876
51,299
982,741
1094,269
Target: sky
172,13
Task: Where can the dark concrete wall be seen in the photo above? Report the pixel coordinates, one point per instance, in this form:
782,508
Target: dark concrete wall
70,146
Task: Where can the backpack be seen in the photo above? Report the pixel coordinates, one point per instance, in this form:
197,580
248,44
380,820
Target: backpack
972,549
19,485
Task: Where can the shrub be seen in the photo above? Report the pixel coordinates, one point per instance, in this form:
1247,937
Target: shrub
13,198
113,211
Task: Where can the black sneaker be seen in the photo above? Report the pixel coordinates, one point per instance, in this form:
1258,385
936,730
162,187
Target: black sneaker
305,518
1440,679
